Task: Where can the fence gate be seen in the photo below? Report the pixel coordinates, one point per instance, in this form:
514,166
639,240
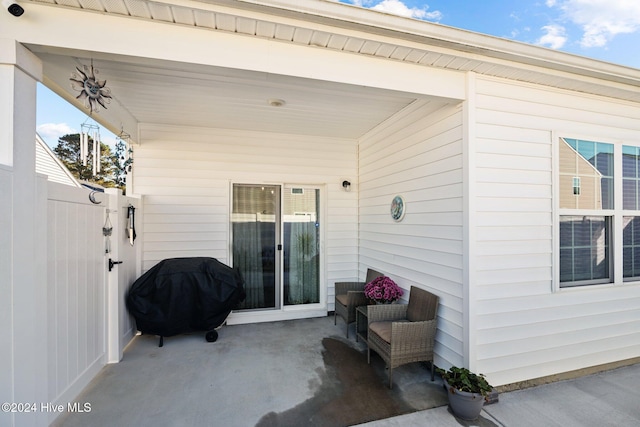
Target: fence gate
76,291
87,322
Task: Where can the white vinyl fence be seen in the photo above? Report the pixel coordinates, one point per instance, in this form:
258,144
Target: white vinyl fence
87,323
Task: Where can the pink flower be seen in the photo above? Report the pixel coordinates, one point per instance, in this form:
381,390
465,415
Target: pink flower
382,289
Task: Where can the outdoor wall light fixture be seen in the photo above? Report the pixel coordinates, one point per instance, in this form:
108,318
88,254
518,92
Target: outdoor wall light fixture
346,185
14,8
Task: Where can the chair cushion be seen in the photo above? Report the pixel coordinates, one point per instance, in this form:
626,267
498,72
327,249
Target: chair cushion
342,299
383,329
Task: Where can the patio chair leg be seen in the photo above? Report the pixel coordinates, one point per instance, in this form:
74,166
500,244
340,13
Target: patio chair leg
390,379
368,355
432,371
335,318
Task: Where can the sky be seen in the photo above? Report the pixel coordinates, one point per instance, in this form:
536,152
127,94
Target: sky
607,30
55,118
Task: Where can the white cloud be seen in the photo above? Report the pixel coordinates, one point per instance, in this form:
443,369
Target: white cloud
600,20
555,36
397,7
50,132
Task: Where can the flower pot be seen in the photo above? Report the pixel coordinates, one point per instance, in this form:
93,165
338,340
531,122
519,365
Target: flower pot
464,405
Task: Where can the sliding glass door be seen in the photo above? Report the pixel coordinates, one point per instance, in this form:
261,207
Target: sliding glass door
276,244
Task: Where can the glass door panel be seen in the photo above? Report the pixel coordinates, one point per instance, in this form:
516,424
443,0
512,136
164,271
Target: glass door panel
301,244
255,229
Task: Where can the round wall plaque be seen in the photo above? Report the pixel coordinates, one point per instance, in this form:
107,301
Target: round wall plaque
397,208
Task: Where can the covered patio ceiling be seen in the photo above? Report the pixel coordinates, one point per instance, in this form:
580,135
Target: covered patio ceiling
173,93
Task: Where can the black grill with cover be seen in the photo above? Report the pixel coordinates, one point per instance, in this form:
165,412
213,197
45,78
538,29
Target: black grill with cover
180,295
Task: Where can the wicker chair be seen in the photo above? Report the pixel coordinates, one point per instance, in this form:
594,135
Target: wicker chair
349,296
404,333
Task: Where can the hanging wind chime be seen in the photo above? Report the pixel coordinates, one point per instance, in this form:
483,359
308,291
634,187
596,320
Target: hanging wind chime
90,145
125,151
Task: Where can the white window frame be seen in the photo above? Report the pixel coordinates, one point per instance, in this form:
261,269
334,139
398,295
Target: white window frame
617,213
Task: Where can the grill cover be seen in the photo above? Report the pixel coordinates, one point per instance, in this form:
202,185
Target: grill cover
180,295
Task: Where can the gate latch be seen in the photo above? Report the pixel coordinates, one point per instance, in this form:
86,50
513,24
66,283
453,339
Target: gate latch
112,263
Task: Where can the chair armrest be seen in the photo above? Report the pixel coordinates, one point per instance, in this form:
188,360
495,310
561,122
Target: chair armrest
386,312
356,298
344,287
404,334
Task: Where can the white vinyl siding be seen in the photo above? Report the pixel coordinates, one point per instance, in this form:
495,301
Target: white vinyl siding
185,173
418,154
48,164
523,329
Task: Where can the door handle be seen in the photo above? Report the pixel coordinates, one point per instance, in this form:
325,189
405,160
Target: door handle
112,263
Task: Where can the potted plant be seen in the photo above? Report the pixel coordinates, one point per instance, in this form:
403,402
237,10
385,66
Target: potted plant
382,290
467,391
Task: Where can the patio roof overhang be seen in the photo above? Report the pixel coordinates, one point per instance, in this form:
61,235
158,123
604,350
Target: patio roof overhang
162,68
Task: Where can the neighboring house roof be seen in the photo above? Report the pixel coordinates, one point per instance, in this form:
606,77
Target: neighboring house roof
47,163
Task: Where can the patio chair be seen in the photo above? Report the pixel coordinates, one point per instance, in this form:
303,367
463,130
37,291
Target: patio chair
349,296
404,333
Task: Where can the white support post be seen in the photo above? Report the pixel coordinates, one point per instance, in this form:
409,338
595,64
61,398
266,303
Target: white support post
23,280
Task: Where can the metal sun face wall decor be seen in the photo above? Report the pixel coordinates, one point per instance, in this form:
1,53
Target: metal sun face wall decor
92,91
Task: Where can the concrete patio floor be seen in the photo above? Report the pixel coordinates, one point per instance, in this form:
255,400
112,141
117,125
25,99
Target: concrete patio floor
605,399
306,373
292,373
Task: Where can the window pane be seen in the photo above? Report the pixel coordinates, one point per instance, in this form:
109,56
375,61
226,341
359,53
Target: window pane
603,158
630,170
627,262
584,250
582,232
629,161
631,246
566,265
629,194
582,264
586,174
607,193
